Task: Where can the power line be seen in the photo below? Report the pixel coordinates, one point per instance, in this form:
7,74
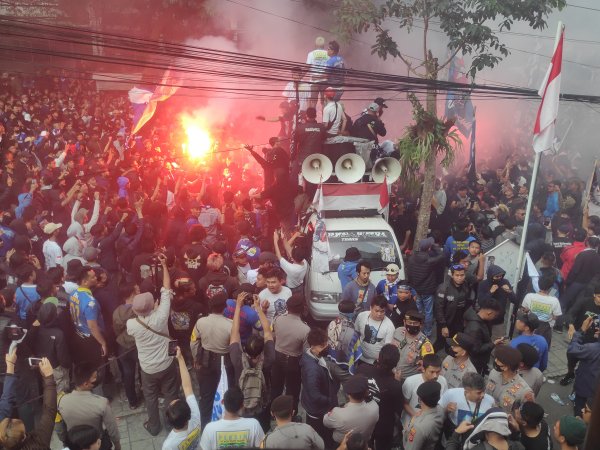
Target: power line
583,7
233,65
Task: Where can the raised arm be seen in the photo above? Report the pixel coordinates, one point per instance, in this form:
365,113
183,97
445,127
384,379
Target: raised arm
8,400
45,426
235,328
264,322
186,381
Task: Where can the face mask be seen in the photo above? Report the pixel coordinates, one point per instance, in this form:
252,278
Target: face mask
497,367
413,329
323,353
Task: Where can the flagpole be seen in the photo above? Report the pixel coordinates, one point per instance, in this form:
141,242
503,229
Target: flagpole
536,166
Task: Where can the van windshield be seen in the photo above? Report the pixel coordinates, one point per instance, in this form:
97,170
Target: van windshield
375,247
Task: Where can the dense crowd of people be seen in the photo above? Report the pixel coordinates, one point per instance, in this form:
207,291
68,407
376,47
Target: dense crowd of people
117,268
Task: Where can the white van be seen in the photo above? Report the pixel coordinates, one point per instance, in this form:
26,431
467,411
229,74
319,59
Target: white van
377,244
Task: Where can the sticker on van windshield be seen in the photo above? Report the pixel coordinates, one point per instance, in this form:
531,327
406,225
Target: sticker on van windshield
387,253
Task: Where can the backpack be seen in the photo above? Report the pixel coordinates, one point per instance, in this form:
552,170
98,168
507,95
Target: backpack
214,289
254,387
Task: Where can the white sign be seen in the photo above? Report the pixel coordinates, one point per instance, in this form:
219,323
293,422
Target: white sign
504,255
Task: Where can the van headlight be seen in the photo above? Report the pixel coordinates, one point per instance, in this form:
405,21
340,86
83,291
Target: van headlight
324,297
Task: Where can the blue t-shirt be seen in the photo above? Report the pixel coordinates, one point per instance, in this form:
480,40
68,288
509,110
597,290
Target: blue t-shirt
84,307
25,298
248,319
540,345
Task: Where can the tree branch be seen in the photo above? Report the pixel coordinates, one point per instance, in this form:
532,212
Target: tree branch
449,59
409,66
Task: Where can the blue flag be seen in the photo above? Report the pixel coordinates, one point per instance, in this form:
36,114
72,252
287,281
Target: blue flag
458,104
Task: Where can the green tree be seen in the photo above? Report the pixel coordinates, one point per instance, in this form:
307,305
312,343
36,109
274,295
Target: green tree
471,27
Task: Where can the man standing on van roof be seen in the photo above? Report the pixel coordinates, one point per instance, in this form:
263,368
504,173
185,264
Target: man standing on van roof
360,291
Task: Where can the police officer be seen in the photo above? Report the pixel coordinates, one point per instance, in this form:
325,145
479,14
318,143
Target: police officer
504,382
358,415
290,340
452,299
425,427
412,343
454,367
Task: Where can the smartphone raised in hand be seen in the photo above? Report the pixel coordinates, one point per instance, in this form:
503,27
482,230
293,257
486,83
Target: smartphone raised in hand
34,362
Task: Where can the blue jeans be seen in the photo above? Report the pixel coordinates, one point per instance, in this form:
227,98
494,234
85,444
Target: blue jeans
425,305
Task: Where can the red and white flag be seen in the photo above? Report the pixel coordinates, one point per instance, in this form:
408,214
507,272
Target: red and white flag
545,123
384,196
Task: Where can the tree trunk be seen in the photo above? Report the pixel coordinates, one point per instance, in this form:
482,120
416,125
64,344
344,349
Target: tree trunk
428,182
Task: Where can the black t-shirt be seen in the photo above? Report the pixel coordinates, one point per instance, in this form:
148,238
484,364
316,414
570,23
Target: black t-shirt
542,441
391,400
360,128
558,245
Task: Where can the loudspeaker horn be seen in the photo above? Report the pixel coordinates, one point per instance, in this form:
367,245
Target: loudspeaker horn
317,168
388,168
350,168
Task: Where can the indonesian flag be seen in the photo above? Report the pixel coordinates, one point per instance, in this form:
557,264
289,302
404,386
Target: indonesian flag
384,196
545,123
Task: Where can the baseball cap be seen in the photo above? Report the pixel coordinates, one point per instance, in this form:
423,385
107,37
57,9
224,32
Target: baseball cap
572,429
461,340
380,101
392,269
143,304
51,227
373,107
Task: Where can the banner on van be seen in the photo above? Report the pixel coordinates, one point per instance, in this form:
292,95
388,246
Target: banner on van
320,244
346,197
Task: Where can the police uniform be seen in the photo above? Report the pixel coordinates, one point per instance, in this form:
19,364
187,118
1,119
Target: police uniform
506,393
85,408
412,349
357,417
423,430
290,340
453,371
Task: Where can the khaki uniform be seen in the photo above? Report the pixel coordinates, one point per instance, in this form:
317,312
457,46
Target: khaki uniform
85,408
358,417
424,429
506,393
454,372
409,353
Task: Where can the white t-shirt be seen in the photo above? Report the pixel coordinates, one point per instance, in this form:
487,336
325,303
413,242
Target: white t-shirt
304,94
409,390
243,273
52,254
543,306
329,115
465,410
277,302
318,60
295,272
251,276
223,433
373,334
186,439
